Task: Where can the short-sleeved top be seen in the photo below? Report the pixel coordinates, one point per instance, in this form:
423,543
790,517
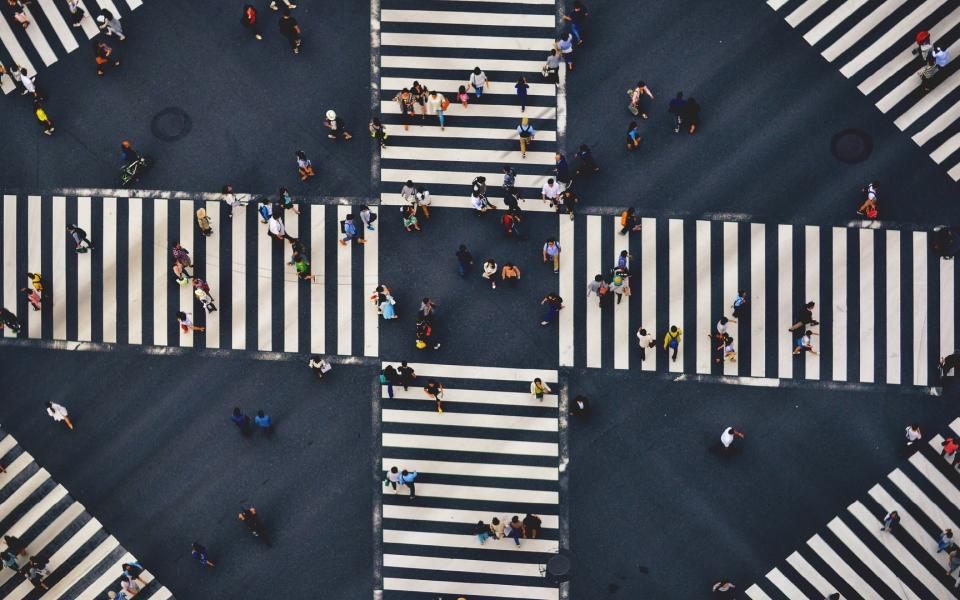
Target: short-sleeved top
550,191
551,250
727,437
288,27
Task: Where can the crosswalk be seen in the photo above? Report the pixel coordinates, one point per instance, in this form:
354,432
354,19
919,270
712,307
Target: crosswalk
424,41
124,291
50,20
886,305
494,452
871,43
84,560
854,558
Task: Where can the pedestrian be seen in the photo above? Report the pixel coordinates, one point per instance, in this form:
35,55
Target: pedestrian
384,301
181,256
319,367
804,343
562,170
15,545
577,19
564,44
722,326
349,229
526,133
34,572
691,114
427,308
434,389
551,69
531,526
186,325
551,250
726,349
550,192
231,200
36,281
924,46
367,216
202,292
941,56
508,221
424,330
76,12
110,25
738,303
302,267
599,287
729,436
388,377
378,132
913,433
408,478
404,100
265,210
723,588
522,86
104,55
422,198
437,104
242,421
9,559
290,29
645,340
58,413
480,202
276,229
463,97
410,221
41,114
482,531
490,272
516,529
890,521
869,206
538,388
636,105
132,570
409,193
629,222
671,341
338,129
250,21
927,75
510,273
264,422
304,166
950,448
676,109
618,285
200,553
553,303
804,316
499,528
8,319
33,297
419,92
478,80
28,83
633,136
953,560
585,162
407,375
464,260
945,540
204,223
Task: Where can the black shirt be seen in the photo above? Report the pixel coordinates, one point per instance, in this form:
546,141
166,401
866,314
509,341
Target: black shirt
288,27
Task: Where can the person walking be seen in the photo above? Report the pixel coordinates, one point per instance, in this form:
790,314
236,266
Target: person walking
729,436
8,319
552,303
186,325
464,260
378,132
565,45
409,478
202,293
551,69
264,422
482,531
953,561
42,117
251,21
628,221
739,303
389,377
478,80
924,46
181,256
242,421
599,287
59,413
110,25
913,434
304,166
869,206
531,526
804,316
723,588
404,100
562,170
804,343
367,216
199,552
29,84
516,529
526,133
434,389
407,375
427,308
410,221
928,75
132,571
636,105
490,272
338,129
499,528
691,114
33,297
726,349
950,447
510,273
231,200
319,367
349,229
676,109
551,250
550,192
409,193
437,104
103,56
290,29
585,162
890,521
945,540
671,341
419,92
522,86
645,340
577,19
633,136
538,388
76,12
422,198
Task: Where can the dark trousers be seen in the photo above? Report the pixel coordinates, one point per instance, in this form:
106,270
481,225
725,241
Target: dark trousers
413,487
389,389
523,101
676,348
643,353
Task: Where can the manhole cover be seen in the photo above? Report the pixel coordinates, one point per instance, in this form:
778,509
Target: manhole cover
851,146
170,124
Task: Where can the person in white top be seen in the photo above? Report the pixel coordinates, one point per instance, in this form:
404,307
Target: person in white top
393,478
538,388
913,434
59,413
490,272
478,79
550,192
729,435
435,106
646,341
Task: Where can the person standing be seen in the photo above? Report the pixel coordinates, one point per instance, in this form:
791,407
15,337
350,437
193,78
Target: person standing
538,388
585,162
928,74
671,341
890,521
409,478
434,389
913,434
319,367
599,287
478,80
526,133
531,526
409,193
580,407
338,129
290,29
490,272
250,21
388,377
349,229
76,12
646,341
522,86
407,375
59,413
79,239
553,303
186,325
551,250
464,260
427,308
676,109
378,132
410,221
510,273
636,99
242,421
419,92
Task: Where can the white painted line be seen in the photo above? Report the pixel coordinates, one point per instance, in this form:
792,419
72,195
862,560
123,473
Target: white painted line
35,513
211,272
291,312
449,540
59,275
465,65
803,11
899,31
39,42
133,4
785,586
109,5
830,22
954,173
705,330
185,239
921,359
89,26
473,589
502,111
534,205
470,133
14,468
460,565
860,30
55,528
776,4
465,155
946,149
927,102
264,268
944,120
451,86
939,481
344,279
10,256
947,307
439,467
238,278
567,291
758,295
907,522
371,279
592,332
842,569
550,2
472,372
621,310
453,419
106,580
485,494
465,444
22,492
449,17
813,577
9,41
134,271
731,270
161,278
34,260
81,569
863,553
838,344
84,275
648,292
108,246
812,289
419,40
454,177
921,500
867,309
785,302
675,287
7,443
60,26
318,240
892,326
754,592
475,396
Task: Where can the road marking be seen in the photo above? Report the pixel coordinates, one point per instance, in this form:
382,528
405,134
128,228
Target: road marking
947,307
813,577
84,276
109,249
467,444
466,65
470,133
859,31
731,283
756,593
39,42
22,492
867,310
59,278
535,205
841,568
185,239
704,329
371,279
803,11
82,568
34,259
211,245
675,286
921,500
894,342
160,273
451,86
60,26
500,157
264,310
318,332
471,372
758,300
450,419
450,540
785,302
812,290
863,553
460,565
785,585
473,589
920,321
238,277
474,396
476,19
502,111
344,272
484,494
831,22
485,469
901,29
648,293
291,312
839,293
134,270
907,522
946,149
621,307
593,331
567,291
419,40
927,102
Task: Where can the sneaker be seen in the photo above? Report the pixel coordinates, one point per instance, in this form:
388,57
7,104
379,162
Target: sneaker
440,409
362,241
258,36
493,284
331,136
544,323
437,347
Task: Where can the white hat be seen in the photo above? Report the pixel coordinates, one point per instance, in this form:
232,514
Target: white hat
331,115
101,19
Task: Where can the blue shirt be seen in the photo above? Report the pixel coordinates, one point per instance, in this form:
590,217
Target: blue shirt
349,228
263,421
408,478
529,131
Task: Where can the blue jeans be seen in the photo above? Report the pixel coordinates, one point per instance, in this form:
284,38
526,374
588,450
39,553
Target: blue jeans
390,389
440,115
551,314
479,90
463,268
575,31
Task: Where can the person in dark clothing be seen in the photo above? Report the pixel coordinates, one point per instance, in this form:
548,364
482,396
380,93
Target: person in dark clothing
568,202
290,29
677,109
949,363
562,170
15,545
389,377
580,407
804,316
250,21
691,114
531,526
464,260
8,319
585,163
242,421
407,375
79,238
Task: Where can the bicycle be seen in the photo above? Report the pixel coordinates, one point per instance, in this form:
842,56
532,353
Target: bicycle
132,172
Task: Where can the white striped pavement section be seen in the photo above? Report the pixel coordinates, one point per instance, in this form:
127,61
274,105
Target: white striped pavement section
468,18
34,216
488,494
812,289
476,470
841,568
466,65
621,307
479,372
108,247
450,540
318,331
291,313
185,239
544,2
470,133
59,279
135,266
371,279
534,205
466,41
870,560
502,111
344,304
675,287
466,444
920,323
757,303
731,286
648,295
755,593
160,277
839,292
947,315
785,301
594,267
785,585
814,578
499,157
476,396
704,342
483,421
893,306
212,272
454,177
59,25
264,270
867,310
567,291
450,86
473,589
459,565
238,284
84,276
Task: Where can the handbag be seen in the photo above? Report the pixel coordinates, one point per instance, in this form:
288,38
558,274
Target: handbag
444,103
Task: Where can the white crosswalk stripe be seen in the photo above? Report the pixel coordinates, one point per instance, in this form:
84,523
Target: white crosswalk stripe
871,42
53,526
854,547
493,452
133,298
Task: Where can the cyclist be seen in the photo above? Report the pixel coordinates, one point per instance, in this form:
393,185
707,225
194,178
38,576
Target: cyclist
128,155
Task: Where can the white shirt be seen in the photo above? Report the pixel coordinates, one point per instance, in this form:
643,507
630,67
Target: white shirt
477,202
435,103
27,84
276,227
913,434
57,411
727,437
941,57
323,365
489,268
393,477
423,198
721,327
478,81
550,192
644,340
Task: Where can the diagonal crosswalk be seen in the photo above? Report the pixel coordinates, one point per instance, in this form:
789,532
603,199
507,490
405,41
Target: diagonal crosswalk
124,291
871,42
493,452
854,557
84,561
886,306
50,35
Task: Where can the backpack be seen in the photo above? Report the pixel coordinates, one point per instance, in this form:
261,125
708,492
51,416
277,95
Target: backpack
624,217
343,226
373,217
